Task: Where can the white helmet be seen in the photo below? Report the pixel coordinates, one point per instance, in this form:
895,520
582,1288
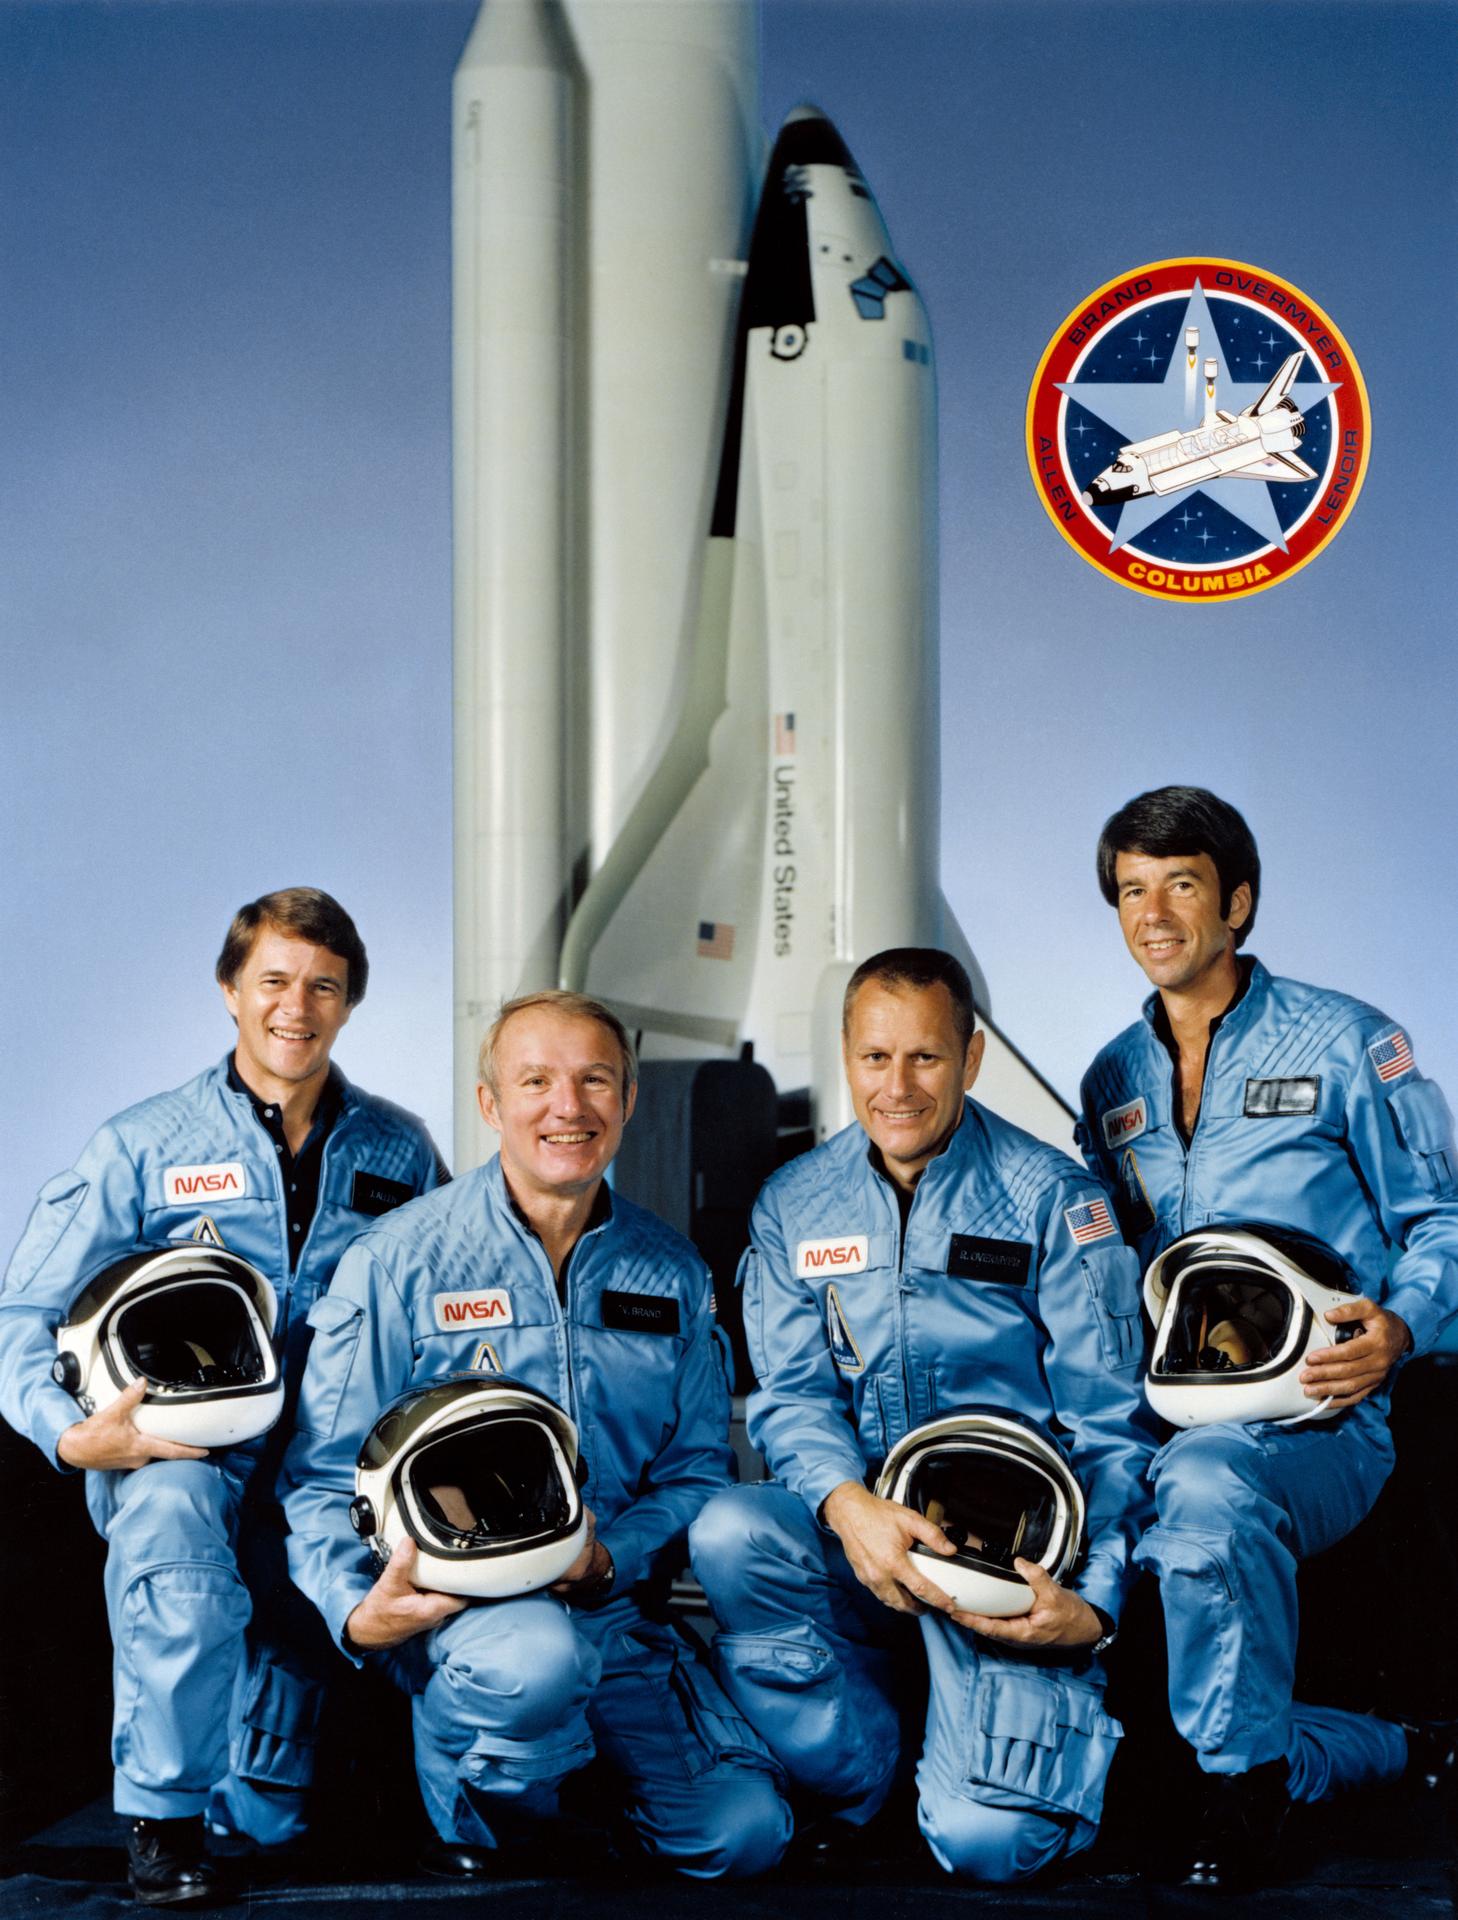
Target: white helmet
194,1322
482,1472
997,1487
1236,1311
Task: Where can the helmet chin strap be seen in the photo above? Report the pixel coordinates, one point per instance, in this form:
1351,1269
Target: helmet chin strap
1295,1419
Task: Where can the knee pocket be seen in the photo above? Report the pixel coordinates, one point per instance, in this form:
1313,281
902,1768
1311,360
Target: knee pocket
836,1738
278,1726
1037,1739
672,1689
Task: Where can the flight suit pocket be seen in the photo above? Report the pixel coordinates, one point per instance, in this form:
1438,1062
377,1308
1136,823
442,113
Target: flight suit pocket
337,1324
54,1210
1425,1128
1039,1738
1112,1278
280,1726
679,1695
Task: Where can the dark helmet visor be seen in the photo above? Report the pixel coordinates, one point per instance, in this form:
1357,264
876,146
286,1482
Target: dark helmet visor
190,1337
1227,1320
490,1486
988,1504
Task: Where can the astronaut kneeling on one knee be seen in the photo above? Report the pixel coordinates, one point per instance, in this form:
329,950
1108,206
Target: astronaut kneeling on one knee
463,1355
941,1306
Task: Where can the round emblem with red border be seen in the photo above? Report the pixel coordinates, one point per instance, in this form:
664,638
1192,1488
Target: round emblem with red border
1198,429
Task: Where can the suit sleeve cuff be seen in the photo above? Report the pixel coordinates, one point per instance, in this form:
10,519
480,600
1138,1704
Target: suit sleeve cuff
55,1413
1424,1322
342,1599
1102,1584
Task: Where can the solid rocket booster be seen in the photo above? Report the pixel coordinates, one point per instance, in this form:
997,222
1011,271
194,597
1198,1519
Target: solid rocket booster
594,296
791,827
512,165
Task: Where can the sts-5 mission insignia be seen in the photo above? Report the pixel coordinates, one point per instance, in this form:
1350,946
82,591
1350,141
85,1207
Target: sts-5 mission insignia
1198,429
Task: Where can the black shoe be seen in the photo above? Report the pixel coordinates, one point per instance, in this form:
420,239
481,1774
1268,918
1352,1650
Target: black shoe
454,1860
166,1865
1240,1825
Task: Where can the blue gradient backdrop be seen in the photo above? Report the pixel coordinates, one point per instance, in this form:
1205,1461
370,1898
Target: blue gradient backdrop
224,499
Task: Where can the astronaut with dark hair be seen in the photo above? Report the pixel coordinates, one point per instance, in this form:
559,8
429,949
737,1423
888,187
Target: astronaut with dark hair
1238,1098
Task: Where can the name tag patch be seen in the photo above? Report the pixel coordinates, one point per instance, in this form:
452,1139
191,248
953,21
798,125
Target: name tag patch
373,1193
1265,1098
491,1306
851,1253
224,1181
639,1312
1126,1122
1007,1262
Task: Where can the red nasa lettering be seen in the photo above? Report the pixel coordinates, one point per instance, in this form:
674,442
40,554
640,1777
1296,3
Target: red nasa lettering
848,1254
207,1183
457,1311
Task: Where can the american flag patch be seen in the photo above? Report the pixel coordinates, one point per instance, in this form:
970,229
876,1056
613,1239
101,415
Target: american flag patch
1392,1057
1091,1221
716,941
784,733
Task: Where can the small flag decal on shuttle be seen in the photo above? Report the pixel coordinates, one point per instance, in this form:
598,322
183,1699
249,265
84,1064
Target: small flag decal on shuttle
784,733
716,941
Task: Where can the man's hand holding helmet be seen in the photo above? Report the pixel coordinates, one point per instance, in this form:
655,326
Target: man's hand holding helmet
1347,1373
110,1441
1057,1618
395,1609
877,1536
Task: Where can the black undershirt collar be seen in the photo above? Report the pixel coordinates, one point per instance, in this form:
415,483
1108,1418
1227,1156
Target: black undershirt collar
1244,966
300,1171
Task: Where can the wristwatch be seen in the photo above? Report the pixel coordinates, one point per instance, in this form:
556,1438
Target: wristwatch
597,1591
1109,1632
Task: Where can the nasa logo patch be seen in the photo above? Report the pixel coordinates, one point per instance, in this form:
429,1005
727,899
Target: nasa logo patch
1198,429
1126,1122
226,1180
453,1311
848,1254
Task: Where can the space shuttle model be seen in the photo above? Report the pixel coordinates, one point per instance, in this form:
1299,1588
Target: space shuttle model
696,556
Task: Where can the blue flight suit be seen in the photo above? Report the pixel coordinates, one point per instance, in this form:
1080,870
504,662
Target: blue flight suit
509,1696
188,1700
1010,1287
1313,1115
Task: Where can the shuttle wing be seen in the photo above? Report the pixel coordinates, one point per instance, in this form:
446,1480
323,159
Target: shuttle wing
1275,466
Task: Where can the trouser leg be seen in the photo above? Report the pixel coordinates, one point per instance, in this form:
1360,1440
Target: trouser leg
499,1696
178,1610
700,1788
1239,1508
288,1667
1012,1774
803,1650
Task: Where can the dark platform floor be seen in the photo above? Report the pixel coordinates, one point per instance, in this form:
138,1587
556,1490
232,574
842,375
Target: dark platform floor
1378,1855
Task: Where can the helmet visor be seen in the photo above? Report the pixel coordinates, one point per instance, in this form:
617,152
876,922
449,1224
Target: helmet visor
494,1486
1225,1321
196,1336
991,1506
